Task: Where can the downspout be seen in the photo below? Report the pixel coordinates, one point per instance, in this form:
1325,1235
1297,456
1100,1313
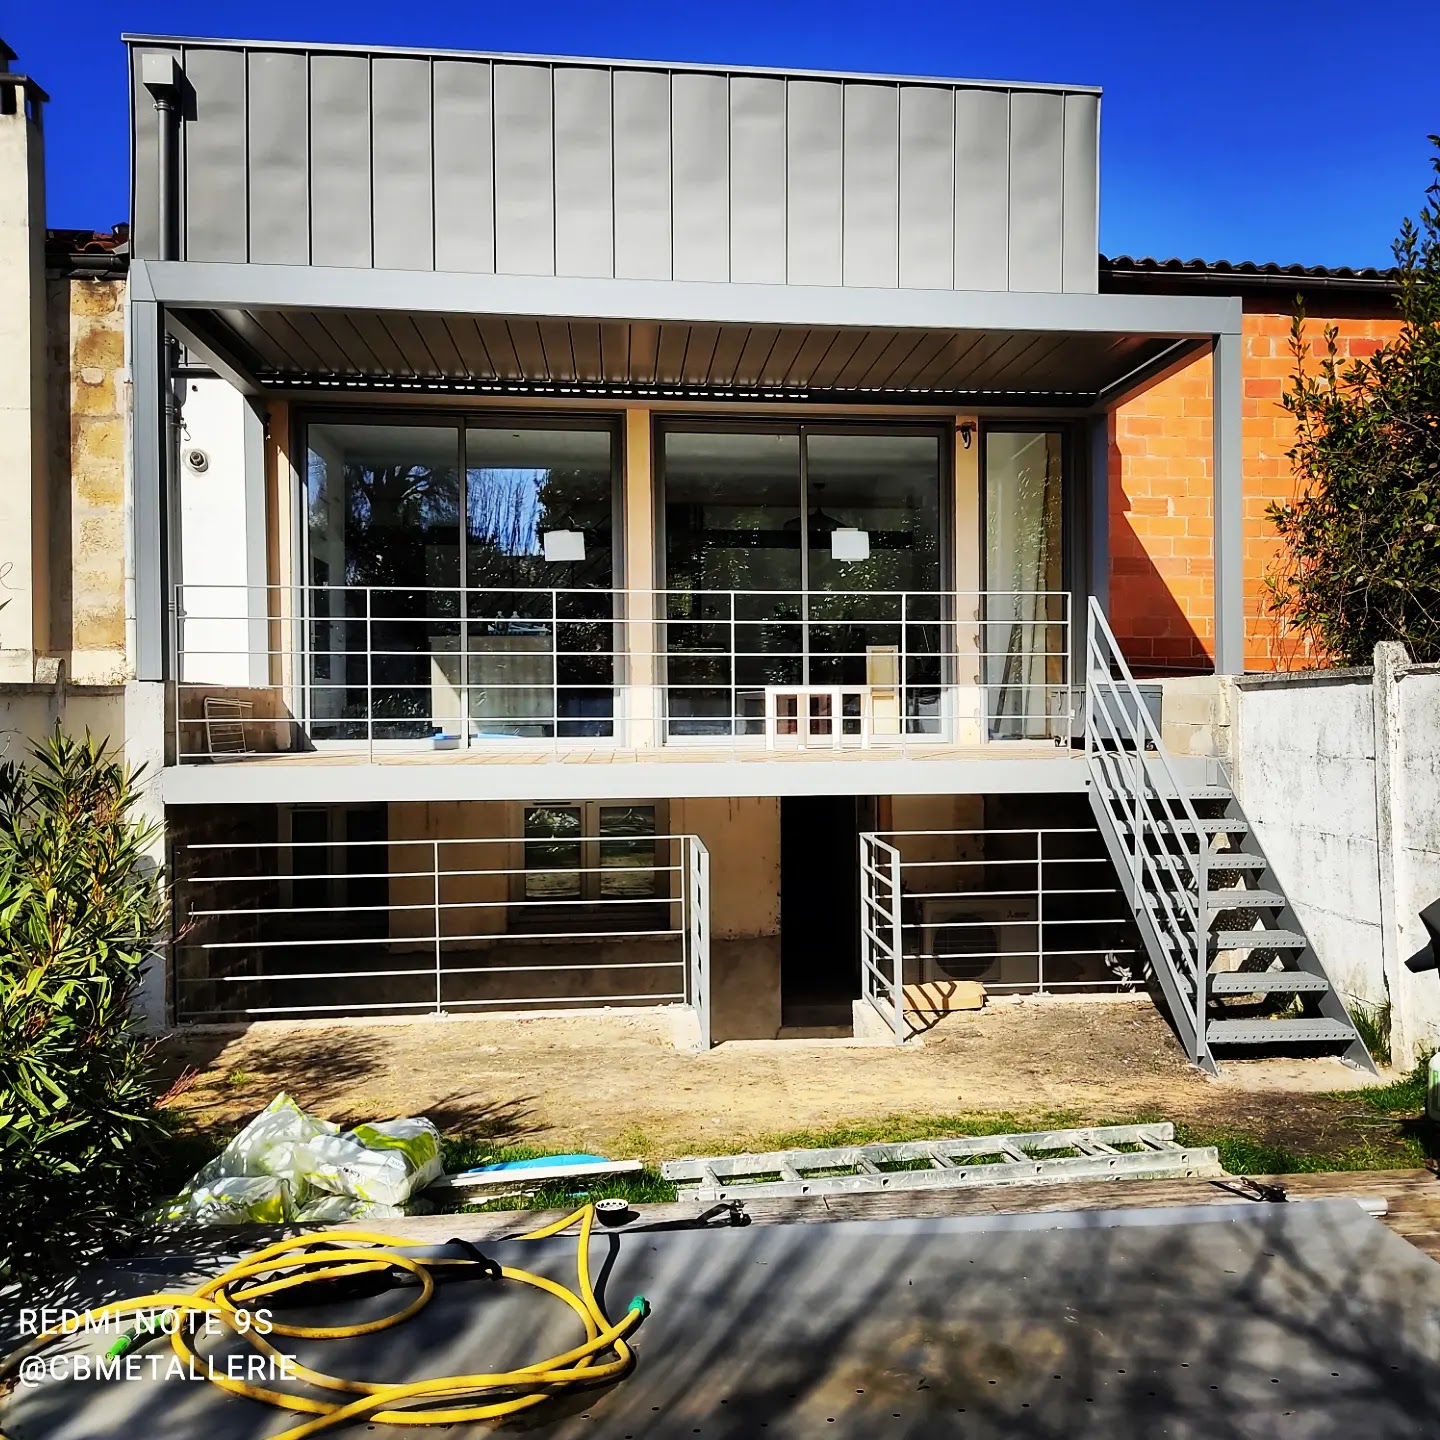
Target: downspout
161,76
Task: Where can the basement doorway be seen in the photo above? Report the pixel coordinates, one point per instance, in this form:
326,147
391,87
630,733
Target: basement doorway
820,909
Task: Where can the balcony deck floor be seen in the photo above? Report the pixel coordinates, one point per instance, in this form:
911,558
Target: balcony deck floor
593,754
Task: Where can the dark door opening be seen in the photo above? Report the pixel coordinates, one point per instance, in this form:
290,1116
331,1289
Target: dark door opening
820,907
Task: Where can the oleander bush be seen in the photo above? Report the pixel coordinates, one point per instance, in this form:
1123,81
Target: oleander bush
81,906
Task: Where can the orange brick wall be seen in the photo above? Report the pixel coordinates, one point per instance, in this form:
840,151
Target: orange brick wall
1162,559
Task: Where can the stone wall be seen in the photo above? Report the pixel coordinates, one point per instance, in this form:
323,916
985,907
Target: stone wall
89,403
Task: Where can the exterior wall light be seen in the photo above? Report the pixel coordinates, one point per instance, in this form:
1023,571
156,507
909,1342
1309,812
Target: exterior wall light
562,545
849,544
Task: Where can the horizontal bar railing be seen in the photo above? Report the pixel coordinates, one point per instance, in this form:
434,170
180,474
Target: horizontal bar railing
296,927
1154,825
282,669
1039,907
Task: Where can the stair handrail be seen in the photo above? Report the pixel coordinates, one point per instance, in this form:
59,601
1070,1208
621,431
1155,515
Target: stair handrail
1103,660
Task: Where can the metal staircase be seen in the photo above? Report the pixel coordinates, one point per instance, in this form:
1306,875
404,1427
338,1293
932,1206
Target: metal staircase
1238,975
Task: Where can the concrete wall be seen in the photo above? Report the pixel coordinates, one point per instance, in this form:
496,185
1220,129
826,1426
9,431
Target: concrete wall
1354,843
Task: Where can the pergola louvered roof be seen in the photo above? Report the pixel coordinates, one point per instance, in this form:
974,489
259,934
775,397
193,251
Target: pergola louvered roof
320,347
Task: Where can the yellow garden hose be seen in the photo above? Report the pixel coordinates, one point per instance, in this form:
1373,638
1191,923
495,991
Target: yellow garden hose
486,1396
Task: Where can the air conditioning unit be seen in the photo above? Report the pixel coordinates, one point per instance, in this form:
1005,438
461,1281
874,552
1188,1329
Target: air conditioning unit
990,939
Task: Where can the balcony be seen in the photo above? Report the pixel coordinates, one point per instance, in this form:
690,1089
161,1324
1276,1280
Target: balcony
382,674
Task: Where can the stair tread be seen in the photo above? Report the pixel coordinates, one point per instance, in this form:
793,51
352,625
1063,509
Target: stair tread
1236,897
1207,827
1236,860
1257,940
1263,1032
1266,982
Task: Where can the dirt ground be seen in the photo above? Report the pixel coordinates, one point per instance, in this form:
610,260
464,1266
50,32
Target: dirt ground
617,1085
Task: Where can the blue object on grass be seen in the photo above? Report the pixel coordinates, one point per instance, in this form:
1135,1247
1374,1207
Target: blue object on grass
538,1162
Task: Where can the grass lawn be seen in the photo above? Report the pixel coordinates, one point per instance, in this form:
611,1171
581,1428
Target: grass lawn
1384,1128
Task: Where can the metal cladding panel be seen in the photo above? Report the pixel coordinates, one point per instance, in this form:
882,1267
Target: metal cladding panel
1080,263
700,181
815,180
982,189
144,157
340,200
927,177
464,151
872,184
215,199
584,180
279,149
757,180
641,101
524,170
401,164
598,169
1037,221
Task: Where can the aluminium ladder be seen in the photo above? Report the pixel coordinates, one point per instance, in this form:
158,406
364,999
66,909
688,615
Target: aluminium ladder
1109,1152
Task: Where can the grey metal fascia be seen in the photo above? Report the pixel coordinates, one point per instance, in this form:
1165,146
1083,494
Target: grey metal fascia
606,62
296,782
213,284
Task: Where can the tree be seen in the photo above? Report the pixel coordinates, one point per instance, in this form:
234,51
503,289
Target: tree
80,909
1361,558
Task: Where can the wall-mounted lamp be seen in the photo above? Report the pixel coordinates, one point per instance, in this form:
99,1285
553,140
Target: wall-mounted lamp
967,433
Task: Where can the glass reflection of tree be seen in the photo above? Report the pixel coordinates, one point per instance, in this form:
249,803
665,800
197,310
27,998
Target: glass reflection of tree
508,511
401,537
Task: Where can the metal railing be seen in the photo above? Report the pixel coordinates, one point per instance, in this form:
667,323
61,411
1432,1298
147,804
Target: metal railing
1023,910
280,669
1151,827
405,926
882,958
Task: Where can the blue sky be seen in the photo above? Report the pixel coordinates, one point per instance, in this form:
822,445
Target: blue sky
1261,131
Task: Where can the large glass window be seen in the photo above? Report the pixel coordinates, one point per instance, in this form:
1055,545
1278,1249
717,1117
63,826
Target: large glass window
1023,635
461,576
384,531
760,589
540,566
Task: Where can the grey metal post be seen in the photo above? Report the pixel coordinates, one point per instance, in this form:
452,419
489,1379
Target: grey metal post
369,675
435,870
147,464
896,942
1226,395
257,596
700,934
1040,911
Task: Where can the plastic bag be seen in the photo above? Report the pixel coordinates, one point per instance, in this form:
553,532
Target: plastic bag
230,1200
289,1165
386,1163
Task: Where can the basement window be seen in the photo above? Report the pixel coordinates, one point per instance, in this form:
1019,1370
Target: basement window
589,866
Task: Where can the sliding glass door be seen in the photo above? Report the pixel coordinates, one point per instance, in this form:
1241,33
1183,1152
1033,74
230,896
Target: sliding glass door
800,555
460,579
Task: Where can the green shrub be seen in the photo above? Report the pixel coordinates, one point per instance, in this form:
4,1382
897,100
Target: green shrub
80,907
